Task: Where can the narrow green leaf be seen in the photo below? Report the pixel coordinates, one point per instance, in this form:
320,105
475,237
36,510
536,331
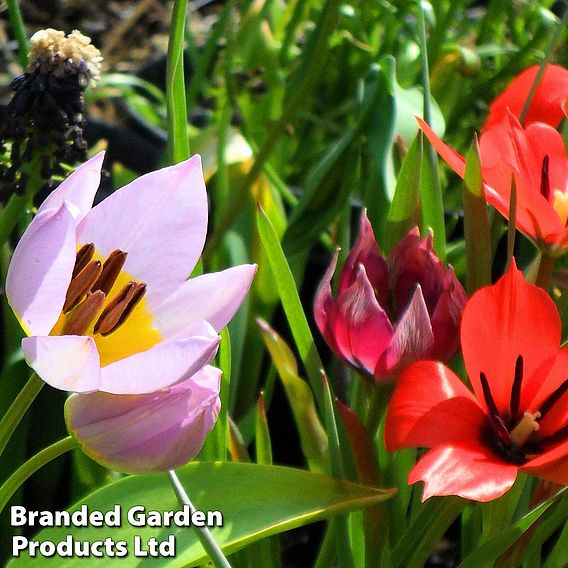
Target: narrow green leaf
178,145
313,438
485,556
291,303
337,469
255,501
557,517
404,212
329,183
420,538
476,224
262,437
431,191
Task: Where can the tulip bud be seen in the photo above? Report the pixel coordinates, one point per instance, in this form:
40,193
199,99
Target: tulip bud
148,432
390,312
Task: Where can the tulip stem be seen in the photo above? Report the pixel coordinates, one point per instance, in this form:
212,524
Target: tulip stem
544,272
15,413
203,534
13,483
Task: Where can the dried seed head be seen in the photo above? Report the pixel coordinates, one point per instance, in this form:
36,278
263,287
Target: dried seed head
51,51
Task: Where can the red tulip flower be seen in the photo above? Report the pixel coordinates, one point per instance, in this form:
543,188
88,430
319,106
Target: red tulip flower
536,157
517,416
390,312
547,104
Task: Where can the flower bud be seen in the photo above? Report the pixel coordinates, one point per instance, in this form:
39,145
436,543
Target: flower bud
390,312
148,432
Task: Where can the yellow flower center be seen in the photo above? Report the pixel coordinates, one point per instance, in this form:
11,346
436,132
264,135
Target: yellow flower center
108,304
560,205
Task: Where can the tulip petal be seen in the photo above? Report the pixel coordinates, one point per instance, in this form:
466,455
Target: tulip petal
164,365
498,325
366,251
413,338
551,465
455,160
546,104
325,307
362,328
66,362
427,398
160,220
213,297
147,432
470,472
447,317
40,270
544,382
78,190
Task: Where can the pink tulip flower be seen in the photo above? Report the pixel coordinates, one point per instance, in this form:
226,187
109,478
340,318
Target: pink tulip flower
146,432
103,293
390,312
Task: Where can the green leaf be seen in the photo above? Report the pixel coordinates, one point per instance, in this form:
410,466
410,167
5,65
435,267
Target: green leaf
485,556
255,500
313,438
404,212
262,437
291,302
330,182
178,146
476,224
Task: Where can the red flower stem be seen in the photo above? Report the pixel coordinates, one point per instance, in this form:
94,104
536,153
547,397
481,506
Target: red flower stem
544,272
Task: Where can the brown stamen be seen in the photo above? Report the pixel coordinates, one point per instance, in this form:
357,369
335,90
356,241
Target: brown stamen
499,426
544,179
119,308
111,269
84,256
552,399
84,315
81,284
516,389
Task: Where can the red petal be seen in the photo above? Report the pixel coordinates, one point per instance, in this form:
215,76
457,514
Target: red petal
552,465
541,385
501,322
471,472
451,157
429,397
546,105
362,329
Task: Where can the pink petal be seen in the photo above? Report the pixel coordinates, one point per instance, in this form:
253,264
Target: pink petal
147,432
40,270
447,317
164,365
470,472
78,189
66,362
428,397
362,328
160,220
325,307
213,297
366,251
412,340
